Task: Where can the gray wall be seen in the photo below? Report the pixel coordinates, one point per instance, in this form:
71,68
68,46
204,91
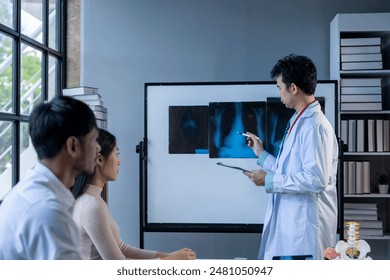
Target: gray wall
127,43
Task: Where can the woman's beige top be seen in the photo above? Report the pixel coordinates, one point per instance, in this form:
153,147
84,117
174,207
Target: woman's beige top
99,233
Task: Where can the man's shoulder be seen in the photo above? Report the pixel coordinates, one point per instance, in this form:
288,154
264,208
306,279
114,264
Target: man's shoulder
31,199
317,117
36,191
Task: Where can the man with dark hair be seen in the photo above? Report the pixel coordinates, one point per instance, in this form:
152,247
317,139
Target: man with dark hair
36,216
301,217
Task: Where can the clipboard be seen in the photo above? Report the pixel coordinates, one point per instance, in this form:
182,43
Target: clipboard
234,167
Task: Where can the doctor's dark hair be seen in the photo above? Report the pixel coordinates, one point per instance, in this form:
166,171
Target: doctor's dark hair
107,142
52,123
299,70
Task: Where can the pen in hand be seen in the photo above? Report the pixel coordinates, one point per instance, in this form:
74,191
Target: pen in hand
247,135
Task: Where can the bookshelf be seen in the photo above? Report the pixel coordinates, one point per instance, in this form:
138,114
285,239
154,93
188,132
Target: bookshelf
360,62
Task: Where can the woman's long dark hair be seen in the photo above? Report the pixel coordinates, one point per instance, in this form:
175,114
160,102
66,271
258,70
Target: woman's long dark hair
107,143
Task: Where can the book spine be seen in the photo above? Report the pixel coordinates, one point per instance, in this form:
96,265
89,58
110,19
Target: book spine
371,139
352,136
386,135
361,57
361,82
367,176
344,131
360,49
351,177
379,135
87,96
371,41
361,136
361,106
371,65
359,178
100,115
361,90
79,91
361,98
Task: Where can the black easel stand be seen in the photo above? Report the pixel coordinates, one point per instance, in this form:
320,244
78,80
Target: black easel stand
140,149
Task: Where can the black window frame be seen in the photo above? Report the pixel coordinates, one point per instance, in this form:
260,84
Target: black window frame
16,117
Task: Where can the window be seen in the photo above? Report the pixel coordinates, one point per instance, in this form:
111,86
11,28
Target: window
31,67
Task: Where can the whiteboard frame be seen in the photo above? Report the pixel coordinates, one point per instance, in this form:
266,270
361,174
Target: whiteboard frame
154,165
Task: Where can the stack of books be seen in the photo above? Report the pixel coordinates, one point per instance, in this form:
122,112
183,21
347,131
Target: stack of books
92,98
370,135
356,176
366,214
361,94
361,53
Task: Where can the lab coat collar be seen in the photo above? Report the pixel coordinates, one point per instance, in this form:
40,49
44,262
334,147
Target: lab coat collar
312,109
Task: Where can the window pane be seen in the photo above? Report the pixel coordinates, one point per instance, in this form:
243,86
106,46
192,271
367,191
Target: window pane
53,25
32,19
39,61
6,74
28,156
31,79
6,132
6,13
53,83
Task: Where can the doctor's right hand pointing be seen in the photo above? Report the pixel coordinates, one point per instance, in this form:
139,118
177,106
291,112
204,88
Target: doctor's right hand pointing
256,176
255,143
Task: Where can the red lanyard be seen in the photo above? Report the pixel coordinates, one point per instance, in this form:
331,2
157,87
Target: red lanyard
300,113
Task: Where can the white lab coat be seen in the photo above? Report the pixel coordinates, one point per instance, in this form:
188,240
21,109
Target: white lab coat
301,216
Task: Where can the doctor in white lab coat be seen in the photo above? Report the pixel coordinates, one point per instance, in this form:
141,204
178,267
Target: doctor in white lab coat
301,217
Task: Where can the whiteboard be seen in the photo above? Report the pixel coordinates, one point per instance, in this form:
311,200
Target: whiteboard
184,188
